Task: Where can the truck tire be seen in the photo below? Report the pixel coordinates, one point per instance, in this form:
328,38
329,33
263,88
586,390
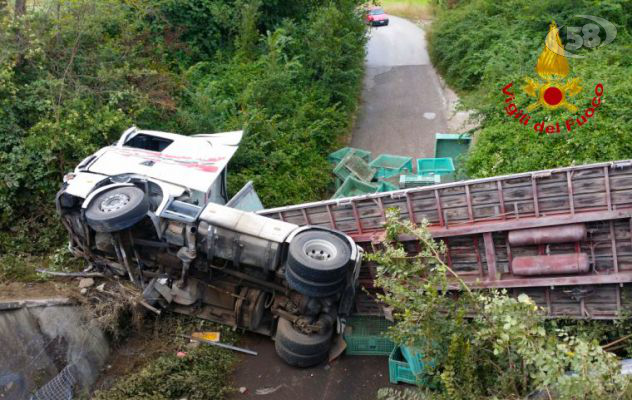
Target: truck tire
301,343
299,360
318,256
117,209
313,289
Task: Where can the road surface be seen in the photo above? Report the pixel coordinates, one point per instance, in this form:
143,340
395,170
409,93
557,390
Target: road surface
403,104
265,376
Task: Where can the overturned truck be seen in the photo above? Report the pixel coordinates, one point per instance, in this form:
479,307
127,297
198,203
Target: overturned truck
150,207
154,207
563,236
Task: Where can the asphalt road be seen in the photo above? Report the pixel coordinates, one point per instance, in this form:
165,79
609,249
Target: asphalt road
265,376
403,105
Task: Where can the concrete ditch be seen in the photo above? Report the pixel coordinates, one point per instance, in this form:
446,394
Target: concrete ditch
48,349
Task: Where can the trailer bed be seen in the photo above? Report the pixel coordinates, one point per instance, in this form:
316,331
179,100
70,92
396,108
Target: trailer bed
474,218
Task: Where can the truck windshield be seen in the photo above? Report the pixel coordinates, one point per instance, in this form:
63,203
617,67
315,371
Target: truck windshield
147,142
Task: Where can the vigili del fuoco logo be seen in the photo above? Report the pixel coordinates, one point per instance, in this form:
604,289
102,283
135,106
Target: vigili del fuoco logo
552,90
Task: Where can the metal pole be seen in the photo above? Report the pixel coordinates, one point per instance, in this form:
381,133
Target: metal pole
223,345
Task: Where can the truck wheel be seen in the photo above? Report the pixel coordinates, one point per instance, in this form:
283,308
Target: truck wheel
299,349
117,209
299,360
313,289
301,343
318,256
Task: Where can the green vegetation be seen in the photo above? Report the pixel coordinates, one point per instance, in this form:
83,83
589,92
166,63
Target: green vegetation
201,373
481,344
74,74
479,46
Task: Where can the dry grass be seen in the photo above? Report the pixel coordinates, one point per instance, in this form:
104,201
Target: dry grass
116,301
416,10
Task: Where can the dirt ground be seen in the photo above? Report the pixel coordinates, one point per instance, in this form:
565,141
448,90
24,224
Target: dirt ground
16,291
131,355
266,376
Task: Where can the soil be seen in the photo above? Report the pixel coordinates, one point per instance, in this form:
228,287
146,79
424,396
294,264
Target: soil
16,291
132,354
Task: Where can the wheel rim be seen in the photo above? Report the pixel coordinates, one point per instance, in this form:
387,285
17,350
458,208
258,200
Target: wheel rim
114,202
319,250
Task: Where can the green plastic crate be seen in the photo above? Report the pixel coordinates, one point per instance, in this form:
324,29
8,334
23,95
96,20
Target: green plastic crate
409,181
399,369
338,155
435,166
354,166
384,186
388,165
451,145
364,336
353,187
414,357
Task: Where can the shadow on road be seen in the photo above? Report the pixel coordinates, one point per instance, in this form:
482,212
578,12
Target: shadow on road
266,376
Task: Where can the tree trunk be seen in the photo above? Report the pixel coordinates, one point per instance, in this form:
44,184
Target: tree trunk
20,8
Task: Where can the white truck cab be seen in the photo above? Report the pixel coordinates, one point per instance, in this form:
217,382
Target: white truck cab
154,207
187,170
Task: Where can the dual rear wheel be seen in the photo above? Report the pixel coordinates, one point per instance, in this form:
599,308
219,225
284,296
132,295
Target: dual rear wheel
317,263
317,266
299,349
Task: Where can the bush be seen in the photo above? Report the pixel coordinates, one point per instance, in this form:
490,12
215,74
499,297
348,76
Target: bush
480,344
481,45
79,75
201,374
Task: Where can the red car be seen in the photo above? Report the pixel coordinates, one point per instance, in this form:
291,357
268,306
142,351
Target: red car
376,16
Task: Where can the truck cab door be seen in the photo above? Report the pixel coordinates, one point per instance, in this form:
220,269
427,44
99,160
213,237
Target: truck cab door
246,199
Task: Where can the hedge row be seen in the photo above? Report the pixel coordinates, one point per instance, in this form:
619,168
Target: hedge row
75,76
480,46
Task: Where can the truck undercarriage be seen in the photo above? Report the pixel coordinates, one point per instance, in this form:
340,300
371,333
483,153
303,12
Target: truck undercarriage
233,267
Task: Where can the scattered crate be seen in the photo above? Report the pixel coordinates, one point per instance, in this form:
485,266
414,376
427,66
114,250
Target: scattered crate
388,165
365,336
414,357
451,145
434,166
384,186
354,166
354,187
338,155
409,181
401,370
398,368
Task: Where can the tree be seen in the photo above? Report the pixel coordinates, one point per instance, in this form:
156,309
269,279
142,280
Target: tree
479,344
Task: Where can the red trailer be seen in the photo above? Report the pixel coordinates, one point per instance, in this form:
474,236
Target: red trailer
563,236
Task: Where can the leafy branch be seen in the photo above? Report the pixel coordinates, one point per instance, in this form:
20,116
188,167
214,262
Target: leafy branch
481,344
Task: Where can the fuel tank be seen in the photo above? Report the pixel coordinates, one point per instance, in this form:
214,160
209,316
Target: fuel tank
556,264
549,234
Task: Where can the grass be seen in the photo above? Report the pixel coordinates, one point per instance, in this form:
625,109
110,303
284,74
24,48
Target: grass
200,373
22,267
412,9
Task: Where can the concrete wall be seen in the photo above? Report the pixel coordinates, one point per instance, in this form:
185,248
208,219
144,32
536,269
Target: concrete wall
38,341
